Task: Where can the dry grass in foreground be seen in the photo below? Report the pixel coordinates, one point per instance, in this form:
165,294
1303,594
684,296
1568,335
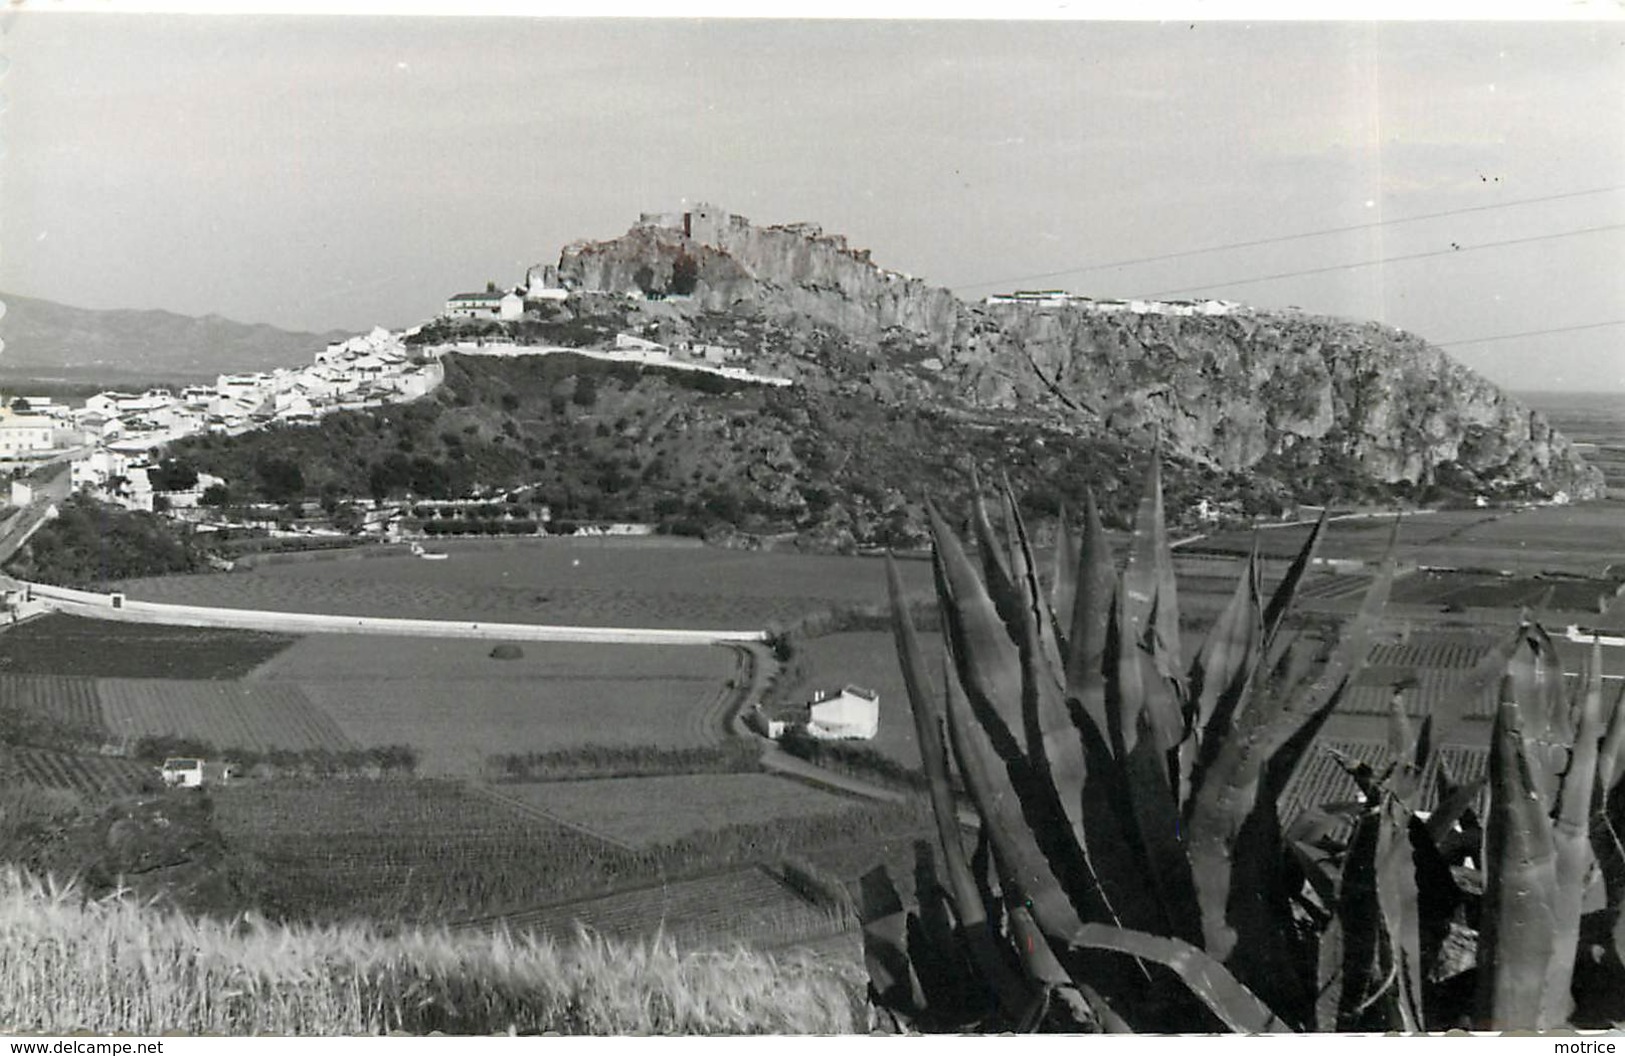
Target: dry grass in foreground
114,966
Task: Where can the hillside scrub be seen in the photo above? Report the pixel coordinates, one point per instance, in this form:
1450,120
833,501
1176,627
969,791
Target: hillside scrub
694,453
112,966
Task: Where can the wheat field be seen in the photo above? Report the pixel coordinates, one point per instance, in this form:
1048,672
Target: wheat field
112,966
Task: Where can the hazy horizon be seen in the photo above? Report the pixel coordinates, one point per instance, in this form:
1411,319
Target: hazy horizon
321,173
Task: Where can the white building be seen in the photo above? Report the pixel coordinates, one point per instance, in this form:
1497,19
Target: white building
25,434
489,305
851,714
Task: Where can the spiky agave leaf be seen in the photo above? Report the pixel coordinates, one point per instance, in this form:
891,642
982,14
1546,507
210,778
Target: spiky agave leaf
1091,613
995,569
1611,755
1543,703
1064,577
987,659
1276,713
885,945
1287,590
1220,671
1238,1008
1024,870
1152,603
981,940
1571,835
1516,927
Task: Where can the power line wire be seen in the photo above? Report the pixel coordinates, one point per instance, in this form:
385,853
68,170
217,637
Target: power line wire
1288,238
1527,333
1386,260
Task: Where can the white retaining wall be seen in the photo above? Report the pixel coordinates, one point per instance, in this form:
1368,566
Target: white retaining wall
102,607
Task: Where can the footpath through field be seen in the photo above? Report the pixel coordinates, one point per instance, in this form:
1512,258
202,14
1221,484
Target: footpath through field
118,607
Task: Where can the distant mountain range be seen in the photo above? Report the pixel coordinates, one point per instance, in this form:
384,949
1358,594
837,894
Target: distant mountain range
56,342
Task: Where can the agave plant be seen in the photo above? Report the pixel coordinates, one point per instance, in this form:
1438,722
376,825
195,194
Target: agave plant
1126,801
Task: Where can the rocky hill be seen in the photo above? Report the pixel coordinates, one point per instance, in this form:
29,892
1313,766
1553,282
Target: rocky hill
1239,390
898,387
53,341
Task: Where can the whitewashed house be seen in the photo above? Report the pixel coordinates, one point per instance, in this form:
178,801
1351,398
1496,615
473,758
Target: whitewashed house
851,714
25,434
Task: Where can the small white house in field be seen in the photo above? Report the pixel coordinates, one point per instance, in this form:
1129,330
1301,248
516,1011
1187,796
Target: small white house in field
851,714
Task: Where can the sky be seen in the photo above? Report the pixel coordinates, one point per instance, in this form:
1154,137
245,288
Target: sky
339,172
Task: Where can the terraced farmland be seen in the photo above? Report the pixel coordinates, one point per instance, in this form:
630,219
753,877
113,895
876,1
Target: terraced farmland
1322,780
67,698
55,644
1435,691
422,850
747,907
95,775
253,715
648,811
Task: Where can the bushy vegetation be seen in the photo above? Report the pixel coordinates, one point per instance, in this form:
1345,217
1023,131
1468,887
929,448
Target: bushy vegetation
393,760
692,452
113,966
591,761
858,760
91,543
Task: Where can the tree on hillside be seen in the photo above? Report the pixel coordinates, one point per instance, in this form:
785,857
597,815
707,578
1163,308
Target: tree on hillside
281,480
172,474
685,275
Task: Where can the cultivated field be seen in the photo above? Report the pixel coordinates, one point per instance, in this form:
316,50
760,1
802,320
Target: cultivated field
94,775
407,849
1322,780
67,698
746,907
55,644
1362,538
456,705
602,582
1462,590
255,716
648,811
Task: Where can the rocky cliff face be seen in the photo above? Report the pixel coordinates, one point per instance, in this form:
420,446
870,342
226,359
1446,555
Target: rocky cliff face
1242,389
1246,390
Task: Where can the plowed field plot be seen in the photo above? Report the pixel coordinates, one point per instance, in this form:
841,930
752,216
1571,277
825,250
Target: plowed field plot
70,699
55,644
1322,780
747,907
456,724
648,811
1592,527
1477,590
364,658
1435,691
416,850
251,715
585,582
1433,649
85,774
1362,538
